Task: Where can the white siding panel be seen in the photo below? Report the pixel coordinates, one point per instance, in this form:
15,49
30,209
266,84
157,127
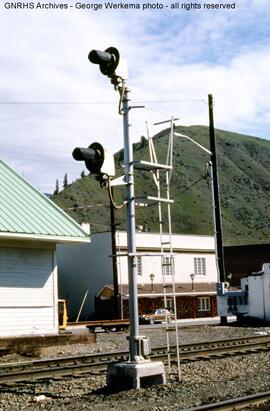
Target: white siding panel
26,321
256,297
27,291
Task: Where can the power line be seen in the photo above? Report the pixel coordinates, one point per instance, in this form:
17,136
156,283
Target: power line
99,225
87,206
64,103
203,177
11,146
98,102
34,158
197,100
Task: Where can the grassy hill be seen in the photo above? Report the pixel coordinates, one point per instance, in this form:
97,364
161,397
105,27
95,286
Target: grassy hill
244,176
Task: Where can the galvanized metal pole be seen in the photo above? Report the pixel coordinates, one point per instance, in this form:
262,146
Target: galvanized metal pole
131,240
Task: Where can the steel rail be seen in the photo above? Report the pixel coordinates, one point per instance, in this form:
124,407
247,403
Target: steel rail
235,403
74,365
226,346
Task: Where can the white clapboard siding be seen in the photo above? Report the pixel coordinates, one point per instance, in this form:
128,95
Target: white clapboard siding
27,291
26,321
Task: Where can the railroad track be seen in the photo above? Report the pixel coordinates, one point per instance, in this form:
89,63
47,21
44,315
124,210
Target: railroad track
92,363
235,403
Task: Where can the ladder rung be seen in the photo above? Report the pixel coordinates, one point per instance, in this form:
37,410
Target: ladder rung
160,199
148,166
151,254
166,265
165,242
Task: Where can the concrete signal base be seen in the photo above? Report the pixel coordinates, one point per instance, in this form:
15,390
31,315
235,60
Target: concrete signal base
129,375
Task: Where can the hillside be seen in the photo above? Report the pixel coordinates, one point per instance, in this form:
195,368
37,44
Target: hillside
244,176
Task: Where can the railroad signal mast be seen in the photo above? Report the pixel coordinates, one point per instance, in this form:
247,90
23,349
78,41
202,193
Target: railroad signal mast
128,374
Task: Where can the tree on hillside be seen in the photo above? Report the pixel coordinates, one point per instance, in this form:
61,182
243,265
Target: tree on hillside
143,141
83,174
56,191
65,182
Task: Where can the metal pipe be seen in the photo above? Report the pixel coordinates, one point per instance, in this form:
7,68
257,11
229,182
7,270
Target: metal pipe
131,239
193,141
82,304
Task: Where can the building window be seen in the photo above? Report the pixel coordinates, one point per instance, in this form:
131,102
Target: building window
204,304
199,266
167,266
139,265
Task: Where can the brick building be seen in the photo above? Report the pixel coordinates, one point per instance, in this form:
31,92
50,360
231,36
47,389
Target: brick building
197,303
90,268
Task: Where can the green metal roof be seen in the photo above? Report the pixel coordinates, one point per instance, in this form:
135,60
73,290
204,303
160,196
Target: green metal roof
27,213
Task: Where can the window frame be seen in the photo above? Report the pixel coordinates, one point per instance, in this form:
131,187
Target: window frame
199,266
167,265
204,304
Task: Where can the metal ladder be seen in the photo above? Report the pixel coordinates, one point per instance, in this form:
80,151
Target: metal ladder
166,248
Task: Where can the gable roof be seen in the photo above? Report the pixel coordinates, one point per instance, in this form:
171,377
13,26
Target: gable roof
26,213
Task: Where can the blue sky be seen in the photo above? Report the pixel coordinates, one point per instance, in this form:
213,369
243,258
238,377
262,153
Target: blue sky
173,55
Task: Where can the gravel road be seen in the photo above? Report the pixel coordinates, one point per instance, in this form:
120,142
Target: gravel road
201,381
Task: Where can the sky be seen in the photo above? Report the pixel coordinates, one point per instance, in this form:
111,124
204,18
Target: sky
53,99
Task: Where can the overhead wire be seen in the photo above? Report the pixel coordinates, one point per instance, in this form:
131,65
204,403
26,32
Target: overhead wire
58,103
7,146
206,176
87,206
53,159
203,177
34,158
97,102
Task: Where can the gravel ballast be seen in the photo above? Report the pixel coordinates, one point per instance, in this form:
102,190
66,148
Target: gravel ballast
201,381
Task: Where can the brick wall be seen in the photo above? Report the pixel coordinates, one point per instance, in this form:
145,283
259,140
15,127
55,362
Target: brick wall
187,307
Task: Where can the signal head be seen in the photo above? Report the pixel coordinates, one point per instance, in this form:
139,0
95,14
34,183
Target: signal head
107,60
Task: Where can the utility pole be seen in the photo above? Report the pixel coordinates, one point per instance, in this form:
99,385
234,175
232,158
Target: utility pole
216,205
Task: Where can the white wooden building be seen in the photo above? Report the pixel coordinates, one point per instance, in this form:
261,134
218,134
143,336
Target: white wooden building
88,268
30,227
252,300
259,294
